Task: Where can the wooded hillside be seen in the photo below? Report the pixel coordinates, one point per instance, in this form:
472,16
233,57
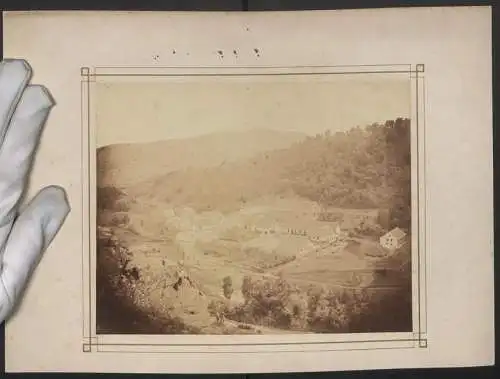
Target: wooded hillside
362,168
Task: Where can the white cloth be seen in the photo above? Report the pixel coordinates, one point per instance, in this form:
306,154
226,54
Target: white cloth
26,233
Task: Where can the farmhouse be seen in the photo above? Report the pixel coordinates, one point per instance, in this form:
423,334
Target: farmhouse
393,239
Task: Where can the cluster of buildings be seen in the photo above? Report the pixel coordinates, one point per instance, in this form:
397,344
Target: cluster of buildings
315,233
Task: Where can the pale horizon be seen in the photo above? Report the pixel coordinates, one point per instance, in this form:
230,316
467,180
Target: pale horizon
181,138
150,112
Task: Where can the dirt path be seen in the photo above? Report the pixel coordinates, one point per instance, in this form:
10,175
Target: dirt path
262,329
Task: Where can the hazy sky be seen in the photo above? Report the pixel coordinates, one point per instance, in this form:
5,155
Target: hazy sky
141,112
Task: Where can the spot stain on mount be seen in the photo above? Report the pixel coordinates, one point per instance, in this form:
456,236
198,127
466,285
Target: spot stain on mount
174,52
221,54
256,52
235,53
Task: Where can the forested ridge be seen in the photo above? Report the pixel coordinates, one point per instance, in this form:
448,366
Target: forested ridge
365,167
361,168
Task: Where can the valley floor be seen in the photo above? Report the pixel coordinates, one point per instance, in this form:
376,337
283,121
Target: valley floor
268,239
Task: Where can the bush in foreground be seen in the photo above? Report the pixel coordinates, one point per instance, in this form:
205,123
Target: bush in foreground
123,302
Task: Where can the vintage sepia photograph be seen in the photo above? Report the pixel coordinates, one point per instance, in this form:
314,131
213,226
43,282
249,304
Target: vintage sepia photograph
254,204
261,192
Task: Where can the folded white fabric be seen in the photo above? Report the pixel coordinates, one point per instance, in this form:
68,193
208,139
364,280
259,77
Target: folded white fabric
24,235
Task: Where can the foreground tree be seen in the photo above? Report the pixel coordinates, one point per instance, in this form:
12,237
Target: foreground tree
227,287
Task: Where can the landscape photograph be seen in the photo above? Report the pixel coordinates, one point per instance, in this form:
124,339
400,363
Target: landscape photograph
257,204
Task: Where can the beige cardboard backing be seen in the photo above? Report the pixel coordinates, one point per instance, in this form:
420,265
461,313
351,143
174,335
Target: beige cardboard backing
453,45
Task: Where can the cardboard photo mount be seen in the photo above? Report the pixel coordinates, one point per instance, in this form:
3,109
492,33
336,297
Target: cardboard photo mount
447,54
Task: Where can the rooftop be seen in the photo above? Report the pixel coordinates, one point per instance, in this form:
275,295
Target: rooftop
397,233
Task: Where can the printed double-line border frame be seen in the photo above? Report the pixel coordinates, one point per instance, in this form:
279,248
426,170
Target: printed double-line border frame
93,342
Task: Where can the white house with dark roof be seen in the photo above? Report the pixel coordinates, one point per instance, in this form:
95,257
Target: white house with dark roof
393,239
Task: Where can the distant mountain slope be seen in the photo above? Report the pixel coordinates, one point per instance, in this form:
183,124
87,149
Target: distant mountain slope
361,168
122,165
